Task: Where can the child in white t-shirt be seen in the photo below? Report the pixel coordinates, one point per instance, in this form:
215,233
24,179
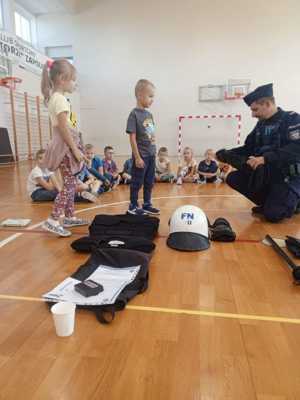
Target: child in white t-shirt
163,167
43,186
187,168
41,181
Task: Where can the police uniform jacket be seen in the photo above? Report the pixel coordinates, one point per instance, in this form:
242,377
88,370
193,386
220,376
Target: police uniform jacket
277,139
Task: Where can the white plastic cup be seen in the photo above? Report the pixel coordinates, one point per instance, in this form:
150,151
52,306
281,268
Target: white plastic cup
64,318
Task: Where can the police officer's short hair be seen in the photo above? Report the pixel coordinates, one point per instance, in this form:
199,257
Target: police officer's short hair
263,99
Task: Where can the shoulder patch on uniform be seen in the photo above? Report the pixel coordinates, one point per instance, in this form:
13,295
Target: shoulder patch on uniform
293,126
295,135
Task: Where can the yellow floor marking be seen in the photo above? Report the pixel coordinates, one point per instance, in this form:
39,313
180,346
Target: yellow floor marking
177,311
4,296
215,314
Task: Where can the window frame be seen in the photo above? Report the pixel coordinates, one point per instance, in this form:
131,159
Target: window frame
70,59
20,15
1,15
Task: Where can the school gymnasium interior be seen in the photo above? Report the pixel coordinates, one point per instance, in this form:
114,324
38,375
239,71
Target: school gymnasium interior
217,324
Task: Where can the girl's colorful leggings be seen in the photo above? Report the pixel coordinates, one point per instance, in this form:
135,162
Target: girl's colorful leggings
65,199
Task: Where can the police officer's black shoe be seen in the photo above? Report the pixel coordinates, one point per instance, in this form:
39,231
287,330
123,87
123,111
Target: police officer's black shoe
257,210
297,211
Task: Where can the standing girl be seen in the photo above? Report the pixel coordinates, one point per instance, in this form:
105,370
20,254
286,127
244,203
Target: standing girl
66,150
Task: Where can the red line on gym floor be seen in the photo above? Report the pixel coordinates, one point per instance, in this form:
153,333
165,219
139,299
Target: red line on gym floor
246,241
87,234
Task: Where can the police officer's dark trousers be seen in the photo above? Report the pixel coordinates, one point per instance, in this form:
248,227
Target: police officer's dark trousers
277,200
142,176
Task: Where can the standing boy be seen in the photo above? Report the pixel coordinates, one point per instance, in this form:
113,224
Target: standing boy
140,127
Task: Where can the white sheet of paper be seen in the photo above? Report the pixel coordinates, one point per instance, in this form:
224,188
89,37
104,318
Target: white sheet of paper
113,281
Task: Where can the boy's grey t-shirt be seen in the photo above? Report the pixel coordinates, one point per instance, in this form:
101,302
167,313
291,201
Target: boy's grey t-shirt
141,123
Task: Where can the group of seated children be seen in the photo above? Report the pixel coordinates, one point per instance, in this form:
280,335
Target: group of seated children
100,176
97,178
208,170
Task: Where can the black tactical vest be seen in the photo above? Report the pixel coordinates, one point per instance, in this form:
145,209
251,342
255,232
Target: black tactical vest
268,137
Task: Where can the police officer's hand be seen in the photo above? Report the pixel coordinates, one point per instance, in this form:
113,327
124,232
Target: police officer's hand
254,162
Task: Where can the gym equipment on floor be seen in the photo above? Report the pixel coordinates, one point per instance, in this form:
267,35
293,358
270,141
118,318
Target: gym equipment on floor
295,267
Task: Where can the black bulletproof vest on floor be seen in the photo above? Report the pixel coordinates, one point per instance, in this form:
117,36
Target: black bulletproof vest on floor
126,225
127,231
115,259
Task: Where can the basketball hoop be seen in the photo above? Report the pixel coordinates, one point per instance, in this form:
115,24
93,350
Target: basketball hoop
11,82
237,88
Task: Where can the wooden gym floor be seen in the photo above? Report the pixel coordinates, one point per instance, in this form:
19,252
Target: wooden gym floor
213,325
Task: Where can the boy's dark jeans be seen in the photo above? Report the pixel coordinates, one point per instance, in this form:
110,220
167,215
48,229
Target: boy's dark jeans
142,176
50,195
99,176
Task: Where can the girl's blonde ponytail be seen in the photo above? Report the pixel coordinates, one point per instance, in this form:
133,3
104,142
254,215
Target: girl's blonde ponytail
46,85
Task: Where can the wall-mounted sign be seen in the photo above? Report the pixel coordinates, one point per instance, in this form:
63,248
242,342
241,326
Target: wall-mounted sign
21,53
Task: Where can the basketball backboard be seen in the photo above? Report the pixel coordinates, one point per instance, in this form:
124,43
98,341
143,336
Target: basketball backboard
237,88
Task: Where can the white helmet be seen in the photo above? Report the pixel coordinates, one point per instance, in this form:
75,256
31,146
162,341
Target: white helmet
188,229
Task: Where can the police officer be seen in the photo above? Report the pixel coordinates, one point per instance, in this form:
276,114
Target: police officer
275,142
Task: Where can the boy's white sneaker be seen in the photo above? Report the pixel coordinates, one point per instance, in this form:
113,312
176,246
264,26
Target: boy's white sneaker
89,196
179,180
116,182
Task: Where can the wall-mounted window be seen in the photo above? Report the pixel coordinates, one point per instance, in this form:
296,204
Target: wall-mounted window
60,52
1,15
22,27
70,59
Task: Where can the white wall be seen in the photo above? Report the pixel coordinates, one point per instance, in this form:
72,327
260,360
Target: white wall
178,45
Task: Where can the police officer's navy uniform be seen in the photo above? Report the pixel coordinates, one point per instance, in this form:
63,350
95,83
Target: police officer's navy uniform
277,139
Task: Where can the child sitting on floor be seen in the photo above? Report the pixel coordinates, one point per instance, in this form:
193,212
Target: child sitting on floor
208,168
43,186
163,167
126,174
110,167
187,168
87,182
95,165
224,170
